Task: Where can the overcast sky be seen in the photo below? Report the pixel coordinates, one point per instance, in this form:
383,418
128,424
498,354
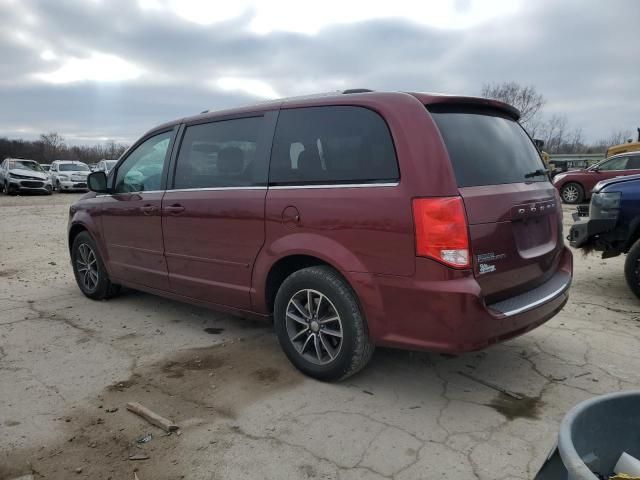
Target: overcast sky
111,69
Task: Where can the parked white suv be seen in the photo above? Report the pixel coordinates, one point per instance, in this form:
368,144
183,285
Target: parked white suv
68,175
18,174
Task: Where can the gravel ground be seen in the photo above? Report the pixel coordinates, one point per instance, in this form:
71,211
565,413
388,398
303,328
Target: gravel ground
68,365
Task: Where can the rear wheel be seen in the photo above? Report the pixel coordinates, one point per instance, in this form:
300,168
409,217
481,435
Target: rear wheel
320,326
88,268
572,193
632,268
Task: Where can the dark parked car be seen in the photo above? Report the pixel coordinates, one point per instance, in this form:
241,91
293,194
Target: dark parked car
351,220
576,186
613,225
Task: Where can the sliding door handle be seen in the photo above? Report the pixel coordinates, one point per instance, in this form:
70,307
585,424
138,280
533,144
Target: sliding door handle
174,209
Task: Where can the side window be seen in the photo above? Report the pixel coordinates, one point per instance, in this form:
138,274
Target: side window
142,169
339,144
614,164
220,154
634,163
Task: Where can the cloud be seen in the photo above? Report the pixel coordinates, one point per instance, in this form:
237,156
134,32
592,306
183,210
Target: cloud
114,69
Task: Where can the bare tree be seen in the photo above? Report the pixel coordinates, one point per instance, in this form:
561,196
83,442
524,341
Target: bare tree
524,98
52,142
554,133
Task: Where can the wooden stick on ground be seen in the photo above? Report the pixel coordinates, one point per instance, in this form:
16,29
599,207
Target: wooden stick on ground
152,417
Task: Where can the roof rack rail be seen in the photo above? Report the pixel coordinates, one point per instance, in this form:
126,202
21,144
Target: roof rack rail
356,90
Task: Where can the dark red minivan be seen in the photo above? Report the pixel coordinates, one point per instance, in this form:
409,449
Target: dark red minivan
350,219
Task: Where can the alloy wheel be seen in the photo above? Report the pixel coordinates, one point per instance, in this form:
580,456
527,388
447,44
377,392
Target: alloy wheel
87,267
570,193
314,326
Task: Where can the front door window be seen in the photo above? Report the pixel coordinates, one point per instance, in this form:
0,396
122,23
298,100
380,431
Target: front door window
142,170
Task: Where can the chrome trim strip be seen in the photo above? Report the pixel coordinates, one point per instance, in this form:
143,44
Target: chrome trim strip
335,185
128,193
214,189
540,301
275,187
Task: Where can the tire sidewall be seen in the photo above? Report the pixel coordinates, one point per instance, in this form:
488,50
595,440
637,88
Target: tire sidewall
102,289
344,302
630,267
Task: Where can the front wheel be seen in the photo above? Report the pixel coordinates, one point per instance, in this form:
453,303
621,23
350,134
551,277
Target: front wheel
572,193
320,326
88,268
632,269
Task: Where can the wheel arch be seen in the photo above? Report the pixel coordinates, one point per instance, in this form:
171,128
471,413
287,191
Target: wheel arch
284,267
74,231
633,235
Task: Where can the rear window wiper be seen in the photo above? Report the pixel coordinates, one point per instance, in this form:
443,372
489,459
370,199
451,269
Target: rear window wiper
537,173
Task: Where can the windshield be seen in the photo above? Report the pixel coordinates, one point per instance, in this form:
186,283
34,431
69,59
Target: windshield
110,163
26,165
487,147
73,167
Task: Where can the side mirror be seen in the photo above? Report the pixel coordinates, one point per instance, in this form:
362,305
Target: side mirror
97,182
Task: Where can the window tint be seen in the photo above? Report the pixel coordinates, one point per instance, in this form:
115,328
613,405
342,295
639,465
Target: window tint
487,148
634,163
221,154
339,144
142,169
614,164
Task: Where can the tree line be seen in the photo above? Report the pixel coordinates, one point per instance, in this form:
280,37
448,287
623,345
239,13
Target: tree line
52,146
556,132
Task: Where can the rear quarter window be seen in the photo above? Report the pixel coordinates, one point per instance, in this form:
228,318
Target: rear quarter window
487,147
329,145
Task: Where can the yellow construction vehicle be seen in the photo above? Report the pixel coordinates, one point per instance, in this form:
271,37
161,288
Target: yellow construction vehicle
629,146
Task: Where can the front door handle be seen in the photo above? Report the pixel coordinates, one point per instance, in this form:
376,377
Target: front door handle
148,209
174,209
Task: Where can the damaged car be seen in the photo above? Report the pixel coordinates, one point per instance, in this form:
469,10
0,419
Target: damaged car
611,224
20,175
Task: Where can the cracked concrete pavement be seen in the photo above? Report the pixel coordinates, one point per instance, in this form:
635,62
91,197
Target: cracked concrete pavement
67,363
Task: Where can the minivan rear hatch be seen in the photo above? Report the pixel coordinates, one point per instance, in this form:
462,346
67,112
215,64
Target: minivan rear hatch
512,209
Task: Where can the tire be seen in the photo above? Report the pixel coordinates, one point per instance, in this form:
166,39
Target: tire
305,337
12,191
572,193
632,268
2,187
96,285
58,189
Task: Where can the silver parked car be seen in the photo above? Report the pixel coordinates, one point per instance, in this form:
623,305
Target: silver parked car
69,175
105,166
21,175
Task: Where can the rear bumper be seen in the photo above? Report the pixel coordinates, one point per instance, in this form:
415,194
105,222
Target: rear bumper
450,315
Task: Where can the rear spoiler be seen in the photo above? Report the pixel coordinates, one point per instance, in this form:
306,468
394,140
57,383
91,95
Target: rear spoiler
455,100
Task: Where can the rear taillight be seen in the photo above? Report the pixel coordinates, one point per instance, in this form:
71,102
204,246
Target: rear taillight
441,230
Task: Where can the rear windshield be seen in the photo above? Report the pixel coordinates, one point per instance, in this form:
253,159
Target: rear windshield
487,147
